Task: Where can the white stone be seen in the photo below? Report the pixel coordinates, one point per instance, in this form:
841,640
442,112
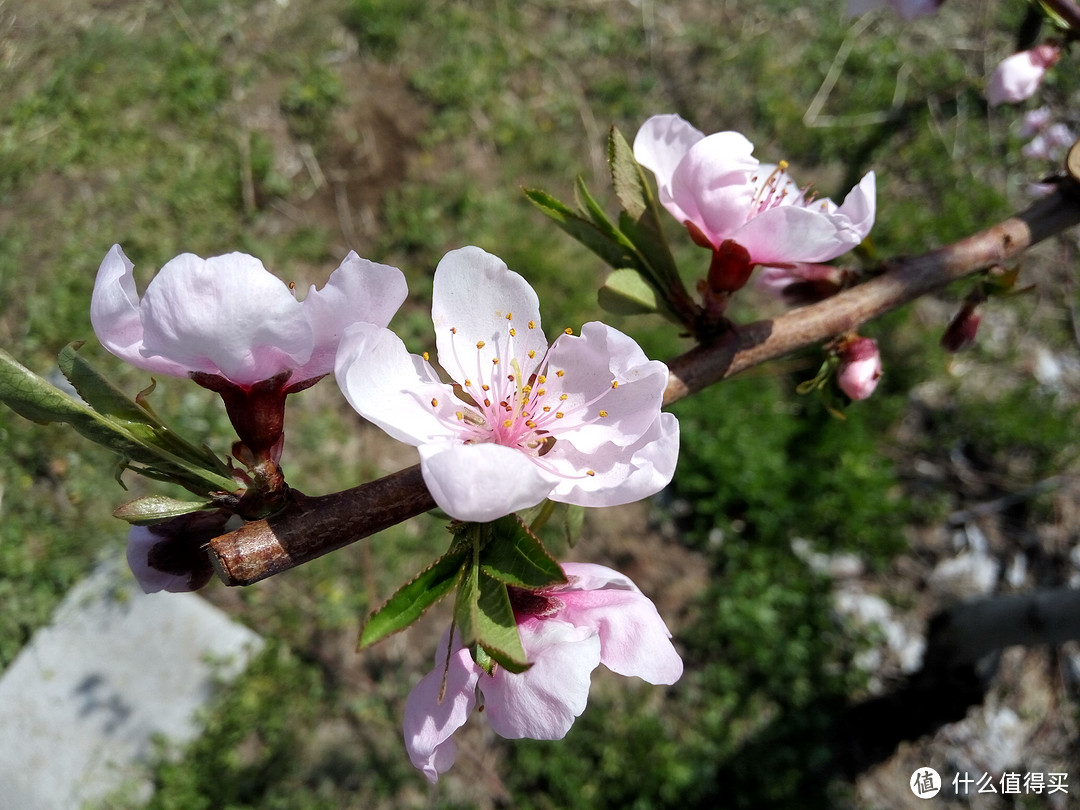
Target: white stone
81,703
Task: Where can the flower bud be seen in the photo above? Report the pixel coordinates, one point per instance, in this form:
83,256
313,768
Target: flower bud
960,333
860,367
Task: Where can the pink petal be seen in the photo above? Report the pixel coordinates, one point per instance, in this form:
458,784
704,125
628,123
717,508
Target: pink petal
791,233
714,184
430,722
482,482
860,206
392,388
114,313
224,315
357,291
660,145
633,638
543,702
477,296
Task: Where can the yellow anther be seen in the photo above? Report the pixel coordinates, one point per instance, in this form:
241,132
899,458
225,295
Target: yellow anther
487,403
541,392
541,379
529,423
558,414
532,353
562,397
508,422
460,416
614,383
547,409
590,472
559,373
453,330
479,344
486,387
782,165
509,316
434,402
468,383
603,414
494,361
568,331
426,357
526,388
532,324
512,332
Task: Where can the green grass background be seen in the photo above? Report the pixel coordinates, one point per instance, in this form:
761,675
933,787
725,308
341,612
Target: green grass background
140,124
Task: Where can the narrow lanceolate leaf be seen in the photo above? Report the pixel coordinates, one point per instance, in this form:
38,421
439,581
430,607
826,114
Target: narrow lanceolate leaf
625,292
604,245
156,508
412,600
515,556
484,617
34,398
105,398
641,220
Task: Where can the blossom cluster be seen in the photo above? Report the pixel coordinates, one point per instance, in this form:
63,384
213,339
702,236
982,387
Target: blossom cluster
515,420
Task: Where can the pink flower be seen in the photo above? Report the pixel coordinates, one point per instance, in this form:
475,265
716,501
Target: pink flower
598,617
227,316
578,421
719,191
908,9
238,330
1019,76
860,368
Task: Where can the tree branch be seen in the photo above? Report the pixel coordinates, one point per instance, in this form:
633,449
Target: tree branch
311,527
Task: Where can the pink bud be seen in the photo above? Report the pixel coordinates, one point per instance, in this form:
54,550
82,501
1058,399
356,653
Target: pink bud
1019,76
860,368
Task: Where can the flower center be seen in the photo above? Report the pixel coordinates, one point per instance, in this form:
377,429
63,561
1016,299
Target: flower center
775,191
513,395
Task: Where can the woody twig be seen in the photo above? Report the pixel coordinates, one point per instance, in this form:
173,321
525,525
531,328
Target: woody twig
312,526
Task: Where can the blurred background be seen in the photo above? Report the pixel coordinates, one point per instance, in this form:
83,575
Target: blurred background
796,557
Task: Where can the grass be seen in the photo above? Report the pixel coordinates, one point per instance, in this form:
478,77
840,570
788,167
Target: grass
140,128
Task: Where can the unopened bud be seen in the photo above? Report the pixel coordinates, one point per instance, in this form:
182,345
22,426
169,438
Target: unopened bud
961,331
860,367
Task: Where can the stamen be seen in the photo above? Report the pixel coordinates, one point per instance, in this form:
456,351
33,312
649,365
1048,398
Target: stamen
427,357
512,332
532,353
568,331
560,373
509,316
434,402
603,414
614,383
479,344
558,414
590,472
532,324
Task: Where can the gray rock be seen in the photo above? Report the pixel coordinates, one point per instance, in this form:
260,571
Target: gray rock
82,702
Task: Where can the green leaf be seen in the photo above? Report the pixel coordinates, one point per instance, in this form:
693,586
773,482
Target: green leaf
515,556
625,292
134,414
34,398
604,245
412,600
630,185
483,614
156,508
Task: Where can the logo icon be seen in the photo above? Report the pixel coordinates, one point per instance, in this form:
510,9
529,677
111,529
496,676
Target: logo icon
925,783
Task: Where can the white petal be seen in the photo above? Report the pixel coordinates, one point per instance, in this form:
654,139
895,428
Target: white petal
224,315
392,388
482,482
542,702
116,316
430,722
591,363
620,474
860,205
358,291
475,294
660,145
